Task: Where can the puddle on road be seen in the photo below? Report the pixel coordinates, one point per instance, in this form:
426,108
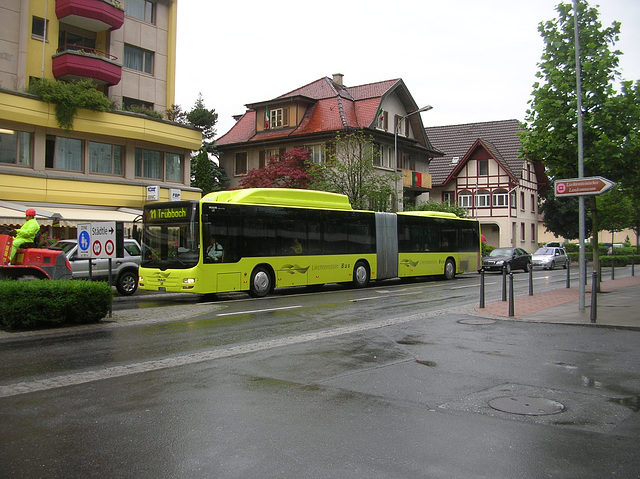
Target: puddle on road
424,362
632,402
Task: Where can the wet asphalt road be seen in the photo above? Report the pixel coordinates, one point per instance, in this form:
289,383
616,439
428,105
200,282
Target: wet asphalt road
394,381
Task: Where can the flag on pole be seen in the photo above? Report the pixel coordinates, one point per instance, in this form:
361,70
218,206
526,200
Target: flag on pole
266,118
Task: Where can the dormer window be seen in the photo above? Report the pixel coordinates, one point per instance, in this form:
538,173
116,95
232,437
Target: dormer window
278,118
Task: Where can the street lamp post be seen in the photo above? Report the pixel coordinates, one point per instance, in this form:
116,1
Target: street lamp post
395,145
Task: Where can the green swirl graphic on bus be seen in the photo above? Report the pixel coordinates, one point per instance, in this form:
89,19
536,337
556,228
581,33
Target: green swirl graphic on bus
408,263
293,269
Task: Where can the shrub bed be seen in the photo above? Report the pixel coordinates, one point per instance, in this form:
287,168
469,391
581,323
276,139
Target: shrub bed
41,304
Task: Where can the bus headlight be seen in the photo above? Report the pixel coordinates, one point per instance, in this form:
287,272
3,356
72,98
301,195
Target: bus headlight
188,281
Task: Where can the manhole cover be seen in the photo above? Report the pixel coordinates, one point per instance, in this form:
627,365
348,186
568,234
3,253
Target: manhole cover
526,405
477,321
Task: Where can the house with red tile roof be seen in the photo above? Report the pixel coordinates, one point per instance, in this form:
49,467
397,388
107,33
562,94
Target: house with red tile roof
482,170
311,116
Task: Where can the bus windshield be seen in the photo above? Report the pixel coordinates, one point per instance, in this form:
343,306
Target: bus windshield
170,238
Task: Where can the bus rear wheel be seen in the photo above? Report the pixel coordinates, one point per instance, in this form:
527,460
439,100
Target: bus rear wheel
261,283
360,274
449,269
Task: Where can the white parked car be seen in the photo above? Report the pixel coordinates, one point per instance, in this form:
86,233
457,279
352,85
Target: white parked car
124,271
549,258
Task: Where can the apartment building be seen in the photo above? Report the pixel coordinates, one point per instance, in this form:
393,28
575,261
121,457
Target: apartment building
310,116
110,163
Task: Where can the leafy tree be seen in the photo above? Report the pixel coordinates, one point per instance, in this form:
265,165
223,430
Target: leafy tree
610,131
559,215
349,170
290,170
435,206
615,210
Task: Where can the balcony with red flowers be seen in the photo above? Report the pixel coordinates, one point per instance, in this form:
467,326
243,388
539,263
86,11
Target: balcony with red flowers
75,63
92,15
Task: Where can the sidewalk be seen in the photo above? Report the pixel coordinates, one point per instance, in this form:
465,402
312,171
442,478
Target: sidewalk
618,305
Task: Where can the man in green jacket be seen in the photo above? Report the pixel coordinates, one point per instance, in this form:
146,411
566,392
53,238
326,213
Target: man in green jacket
27,233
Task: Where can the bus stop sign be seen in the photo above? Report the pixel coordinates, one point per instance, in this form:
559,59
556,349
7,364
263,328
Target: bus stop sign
594,185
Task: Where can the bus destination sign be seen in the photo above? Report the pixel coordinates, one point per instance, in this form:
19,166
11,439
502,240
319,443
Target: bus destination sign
169,213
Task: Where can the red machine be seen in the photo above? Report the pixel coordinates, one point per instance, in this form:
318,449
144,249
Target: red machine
32,263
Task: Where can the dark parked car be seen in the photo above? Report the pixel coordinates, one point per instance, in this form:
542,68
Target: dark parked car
507,259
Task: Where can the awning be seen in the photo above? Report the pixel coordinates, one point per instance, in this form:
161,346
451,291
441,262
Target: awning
12,213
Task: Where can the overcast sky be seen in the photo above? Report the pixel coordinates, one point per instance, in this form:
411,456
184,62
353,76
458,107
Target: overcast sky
473,60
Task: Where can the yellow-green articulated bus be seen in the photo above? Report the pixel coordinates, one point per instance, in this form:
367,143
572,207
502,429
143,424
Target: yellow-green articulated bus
259,239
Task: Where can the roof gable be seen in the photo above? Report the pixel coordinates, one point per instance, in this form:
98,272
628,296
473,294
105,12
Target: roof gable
331,107
500,138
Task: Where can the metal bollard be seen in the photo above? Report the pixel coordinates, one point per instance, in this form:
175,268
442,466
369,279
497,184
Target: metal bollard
511,300
482,288
633,269
568,275
504,284
594,297
530,280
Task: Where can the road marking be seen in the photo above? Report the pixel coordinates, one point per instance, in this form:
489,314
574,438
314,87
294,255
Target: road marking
473,286
259,311
75,379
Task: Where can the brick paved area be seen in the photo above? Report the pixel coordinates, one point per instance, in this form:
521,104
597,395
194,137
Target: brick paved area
539,302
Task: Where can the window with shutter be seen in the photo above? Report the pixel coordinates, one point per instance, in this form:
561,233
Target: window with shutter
241,163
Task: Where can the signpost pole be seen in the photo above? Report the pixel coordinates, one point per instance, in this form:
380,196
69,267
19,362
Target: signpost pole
581,206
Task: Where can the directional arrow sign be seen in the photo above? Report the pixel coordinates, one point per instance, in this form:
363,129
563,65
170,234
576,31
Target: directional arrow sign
593,185
103,237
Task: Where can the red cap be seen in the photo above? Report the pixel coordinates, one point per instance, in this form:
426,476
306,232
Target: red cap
30,212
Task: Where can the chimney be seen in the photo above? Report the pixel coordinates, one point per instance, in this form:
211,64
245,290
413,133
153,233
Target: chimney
337,78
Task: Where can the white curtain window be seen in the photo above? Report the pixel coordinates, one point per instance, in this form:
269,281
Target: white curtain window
105,158
148,164
24,148
68,154
141,9
138,59
173,167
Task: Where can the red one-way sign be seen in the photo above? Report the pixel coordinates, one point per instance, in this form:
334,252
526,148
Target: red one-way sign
593,185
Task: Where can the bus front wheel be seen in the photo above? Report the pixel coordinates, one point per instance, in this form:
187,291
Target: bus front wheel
450,269
261,283
360,274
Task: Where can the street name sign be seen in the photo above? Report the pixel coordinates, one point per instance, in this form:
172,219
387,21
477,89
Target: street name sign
97,240
593,185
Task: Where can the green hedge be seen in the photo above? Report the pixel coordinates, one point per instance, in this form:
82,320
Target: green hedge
40,304
606,260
